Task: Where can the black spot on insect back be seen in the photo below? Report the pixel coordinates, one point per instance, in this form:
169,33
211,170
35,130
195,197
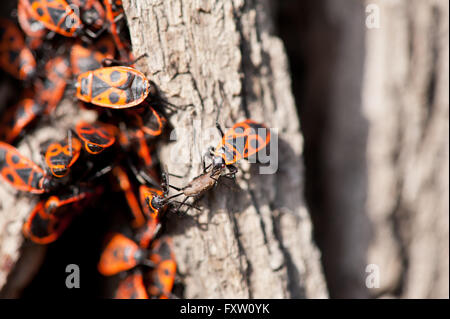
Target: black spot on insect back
113,97
114,76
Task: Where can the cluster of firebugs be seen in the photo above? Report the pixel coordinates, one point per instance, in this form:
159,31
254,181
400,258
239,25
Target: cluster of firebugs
97,68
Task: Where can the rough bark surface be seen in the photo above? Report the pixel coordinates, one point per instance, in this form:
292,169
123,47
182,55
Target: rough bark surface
374,106
250,239
406,102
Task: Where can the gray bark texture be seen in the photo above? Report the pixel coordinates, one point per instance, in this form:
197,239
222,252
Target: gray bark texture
374,106
407,107
253,239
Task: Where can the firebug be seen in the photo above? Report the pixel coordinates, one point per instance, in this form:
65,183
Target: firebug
56,15
87,57
15,57
162,276
60,156
120,254
96,136
50,91
18,117
132,287
115,87
22,173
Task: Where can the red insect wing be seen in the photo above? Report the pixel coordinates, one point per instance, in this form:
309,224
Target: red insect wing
44,228
92,12
148,201
85,57
143,149
15,57
132,287
51,91
125,186
34,29
30,26
147,233
162,277
151,123
55,15
20,172
243,140
18,118
113,10
96,136
60,156
119,255
115,87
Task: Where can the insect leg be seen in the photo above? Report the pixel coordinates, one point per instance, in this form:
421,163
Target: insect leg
219,128
165,184
175,188
186,204
95,35
105,170
141,175
174,175
205,168
108,61
232,172
148,263
69,137
179,207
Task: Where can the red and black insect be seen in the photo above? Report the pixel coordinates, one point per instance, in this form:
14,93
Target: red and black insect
162,276
156,201
60,156
92,14
96,136
114,12
56,15
50,91
153,200
48,220
121,254
115,87
34,29
22,173
15,57
18,117
147,120
44,228
132,287
85,57
144,151
243,140
148,232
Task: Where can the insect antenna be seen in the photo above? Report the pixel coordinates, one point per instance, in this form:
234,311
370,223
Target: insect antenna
167,199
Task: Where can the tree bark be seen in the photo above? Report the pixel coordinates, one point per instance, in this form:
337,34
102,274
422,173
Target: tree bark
253,242
374,109
406,102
